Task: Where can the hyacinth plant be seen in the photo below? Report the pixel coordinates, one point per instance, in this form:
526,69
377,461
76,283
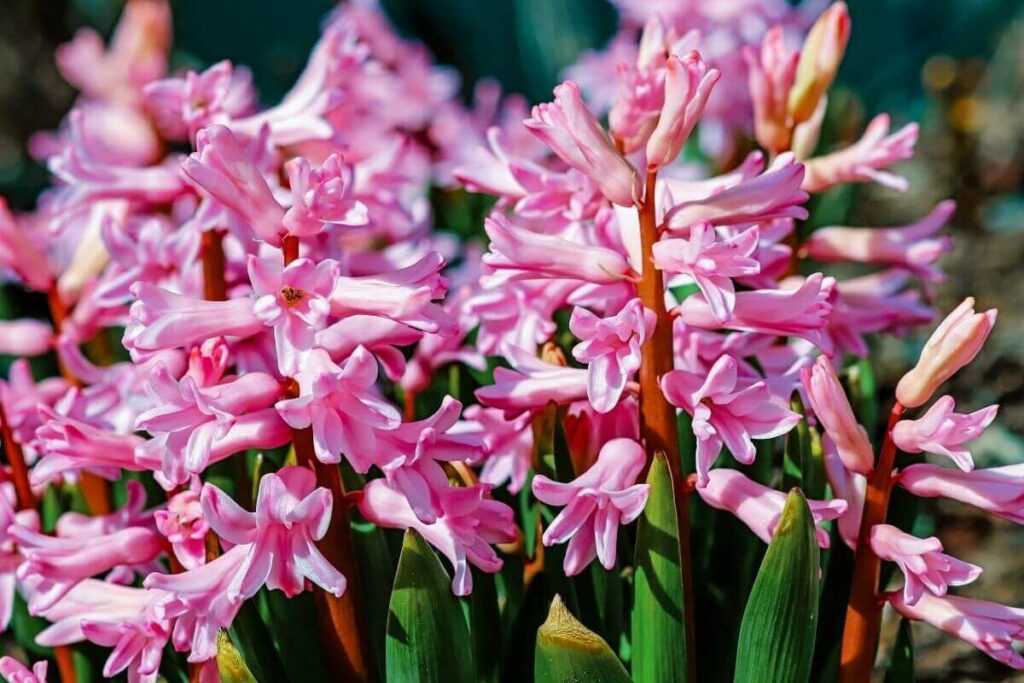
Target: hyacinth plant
298,431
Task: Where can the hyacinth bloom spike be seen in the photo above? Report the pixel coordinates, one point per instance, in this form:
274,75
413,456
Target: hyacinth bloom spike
759,506
595,503
988,626
944,432
572,132
833,411
953,344
996,490
924,565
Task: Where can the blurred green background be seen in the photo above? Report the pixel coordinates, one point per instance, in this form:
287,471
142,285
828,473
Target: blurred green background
957,66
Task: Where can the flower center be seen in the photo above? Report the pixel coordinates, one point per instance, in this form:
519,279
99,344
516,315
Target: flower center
292,297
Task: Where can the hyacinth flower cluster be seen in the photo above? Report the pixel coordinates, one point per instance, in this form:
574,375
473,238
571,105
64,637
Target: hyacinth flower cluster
303,362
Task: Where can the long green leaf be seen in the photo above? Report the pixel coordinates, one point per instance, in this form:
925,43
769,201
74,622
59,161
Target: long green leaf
776,640
427,637
659,625
901,661
569,651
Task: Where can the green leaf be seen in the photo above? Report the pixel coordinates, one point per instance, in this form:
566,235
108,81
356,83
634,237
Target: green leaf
427,637
803,463
230,664
569,651
776,640
901,661
254,642
659,622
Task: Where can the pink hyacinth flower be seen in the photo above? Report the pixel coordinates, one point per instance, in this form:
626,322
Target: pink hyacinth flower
915,247
342,407
572,132
953,344
611,349
508,445
988,626
69,446
770,75
183,525
759,506
727,410
775,193
688,84
712,261
848,486
865,160
186,104
381,337
19,253
833,411
14,671
25,337
291,514
922,562
11,558
944,432
463,533
292,299
801,311
596,503
996,490
820,57
532,384
225,170
524,254
321,196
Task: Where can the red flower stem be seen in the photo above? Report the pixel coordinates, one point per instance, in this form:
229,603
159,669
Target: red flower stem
214,285
864,611
658,429
343,630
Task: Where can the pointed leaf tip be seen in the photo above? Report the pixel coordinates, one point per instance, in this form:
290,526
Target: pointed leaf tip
569,651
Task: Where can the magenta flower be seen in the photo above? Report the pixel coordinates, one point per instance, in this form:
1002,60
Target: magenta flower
611,349
865,160
996,490
572,132
770,76
832,409
292,299
14,671
759,506
470,523
224,169
922,562
508,445
915,247
953,344
291,514
688,84
801,311
183,525
342,406
524,254
944,432
532,384
988,626
727,410
775,193
596,503
712,261
321,196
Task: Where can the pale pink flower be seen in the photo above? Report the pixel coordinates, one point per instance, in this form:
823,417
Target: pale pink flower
291,514
712,261
382,337
186,104
759,506
19,253
292,299
727,410
183,525
848,486
915,247
138,645
775,193
944,432
996,490
770,76
953,344
572,132
224,169
25,337
688,84
508,445
865,160
68,446
93,600
611,349
800,311
161,319
11,520
342,406
922,562
833,411
532,384
322,196
988,626
524,254
874,303
14,671
596,503
22,396
820,56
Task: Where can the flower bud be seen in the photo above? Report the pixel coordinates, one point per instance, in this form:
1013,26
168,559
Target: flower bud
819,60
953,344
